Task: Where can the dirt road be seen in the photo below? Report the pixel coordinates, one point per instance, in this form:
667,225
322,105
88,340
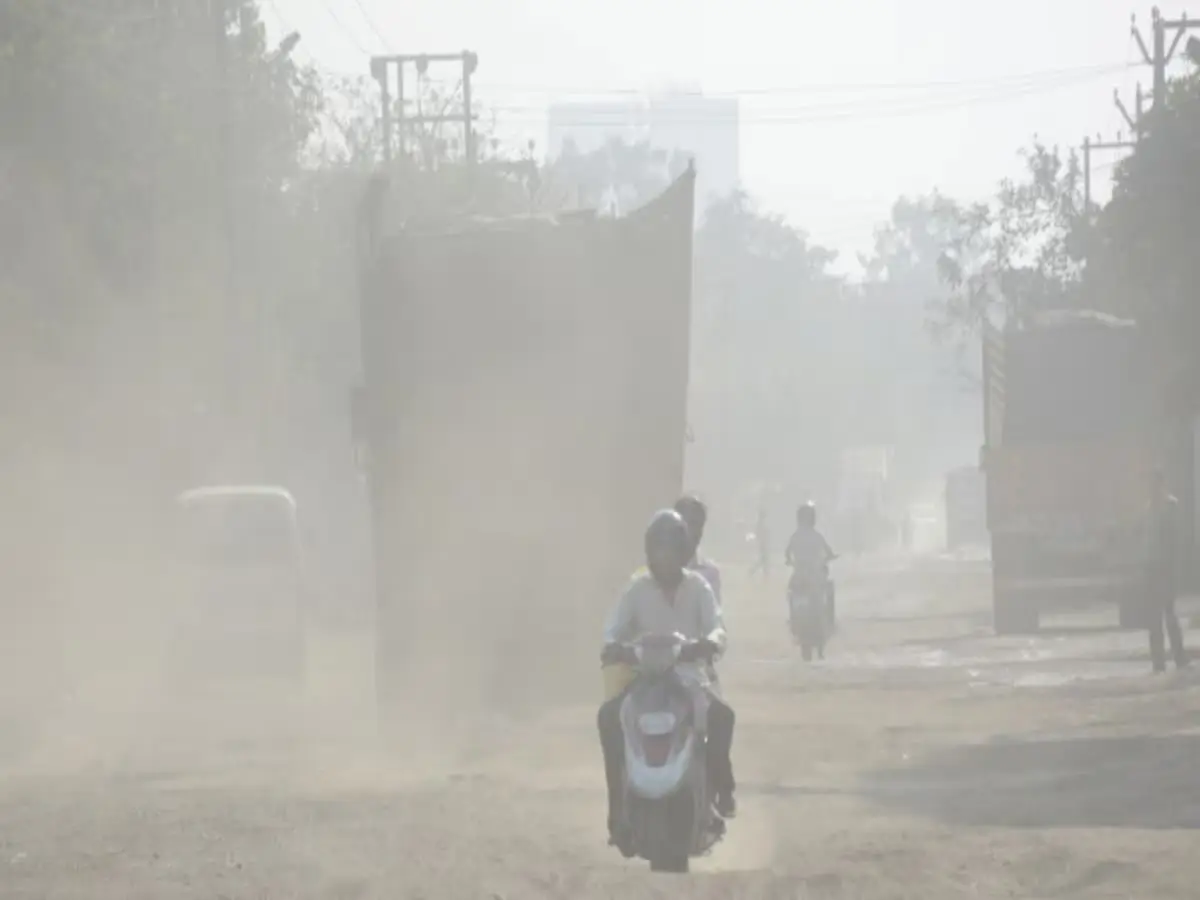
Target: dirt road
923,759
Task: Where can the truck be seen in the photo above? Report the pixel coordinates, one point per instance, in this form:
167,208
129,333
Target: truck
1070,447
966,508
863,497
522,415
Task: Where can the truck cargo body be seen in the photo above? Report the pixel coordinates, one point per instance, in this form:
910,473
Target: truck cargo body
525,407
1069,453
966,508
863,497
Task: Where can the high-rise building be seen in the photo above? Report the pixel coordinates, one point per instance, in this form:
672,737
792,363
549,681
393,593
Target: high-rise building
703,128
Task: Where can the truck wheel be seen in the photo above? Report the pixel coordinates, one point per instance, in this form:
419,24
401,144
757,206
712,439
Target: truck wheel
1012,613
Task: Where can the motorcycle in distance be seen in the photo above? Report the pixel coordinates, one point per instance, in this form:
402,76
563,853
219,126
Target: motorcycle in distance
667,801
810,613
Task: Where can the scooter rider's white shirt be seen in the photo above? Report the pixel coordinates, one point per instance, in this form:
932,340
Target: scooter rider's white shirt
645,609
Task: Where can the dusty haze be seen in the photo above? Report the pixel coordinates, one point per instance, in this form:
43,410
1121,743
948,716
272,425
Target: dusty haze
197,272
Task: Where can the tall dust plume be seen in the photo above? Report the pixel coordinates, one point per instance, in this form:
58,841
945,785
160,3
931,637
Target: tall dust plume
517,451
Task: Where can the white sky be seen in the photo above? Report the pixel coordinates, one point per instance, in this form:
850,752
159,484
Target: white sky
835,178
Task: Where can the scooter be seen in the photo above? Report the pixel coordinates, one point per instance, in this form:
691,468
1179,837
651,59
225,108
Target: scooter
667,798
808,618
811,613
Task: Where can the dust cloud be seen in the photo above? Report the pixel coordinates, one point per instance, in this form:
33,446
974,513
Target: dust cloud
478,368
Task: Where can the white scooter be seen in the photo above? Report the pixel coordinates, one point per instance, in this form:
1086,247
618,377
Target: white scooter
668,801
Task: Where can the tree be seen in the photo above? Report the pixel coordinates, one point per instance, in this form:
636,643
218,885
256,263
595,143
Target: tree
1145,264
765,373
116,164
925,373
1022,252
115,317
114,126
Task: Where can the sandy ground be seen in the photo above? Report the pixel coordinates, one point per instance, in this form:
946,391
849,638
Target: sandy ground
924,759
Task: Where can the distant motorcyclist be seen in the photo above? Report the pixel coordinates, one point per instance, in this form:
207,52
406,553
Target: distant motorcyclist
809,554
667,599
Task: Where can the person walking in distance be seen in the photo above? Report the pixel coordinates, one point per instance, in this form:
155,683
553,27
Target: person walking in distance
1162,576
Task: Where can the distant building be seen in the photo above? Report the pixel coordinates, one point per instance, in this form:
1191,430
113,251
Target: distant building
704,128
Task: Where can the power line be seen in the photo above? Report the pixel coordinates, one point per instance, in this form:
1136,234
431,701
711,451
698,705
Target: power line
283,20
383,41
1020,82
346,31
860,110
827,87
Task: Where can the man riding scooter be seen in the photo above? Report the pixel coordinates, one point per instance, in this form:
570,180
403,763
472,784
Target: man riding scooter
809,555
667,599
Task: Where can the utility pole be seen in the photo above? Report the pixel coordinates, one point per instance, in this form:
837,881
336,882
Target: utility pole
1136,122
1089,147
225,149
469,61
1136,127
381,69
1161,55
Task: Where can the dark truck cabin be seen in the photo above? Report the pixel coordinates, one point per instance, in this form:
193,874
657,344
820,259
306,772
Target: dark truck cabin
241,574
1066,483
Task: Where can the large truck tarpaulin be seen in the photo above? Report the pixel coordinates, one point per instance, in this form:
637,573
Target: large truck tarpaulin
526,385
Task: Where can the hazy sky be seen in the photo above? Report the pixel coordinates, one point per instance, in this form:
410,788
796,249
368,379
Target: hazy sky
831,158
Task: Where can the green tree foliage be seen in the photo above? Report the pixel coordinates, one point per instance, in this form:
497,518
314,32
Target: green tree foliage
762,360
1024,251
125,122
924,387
1145,264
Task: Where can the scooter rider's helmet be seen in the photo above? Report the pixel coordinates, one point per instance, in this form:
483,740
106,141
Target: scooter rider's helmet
668,542
695,516
807,514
